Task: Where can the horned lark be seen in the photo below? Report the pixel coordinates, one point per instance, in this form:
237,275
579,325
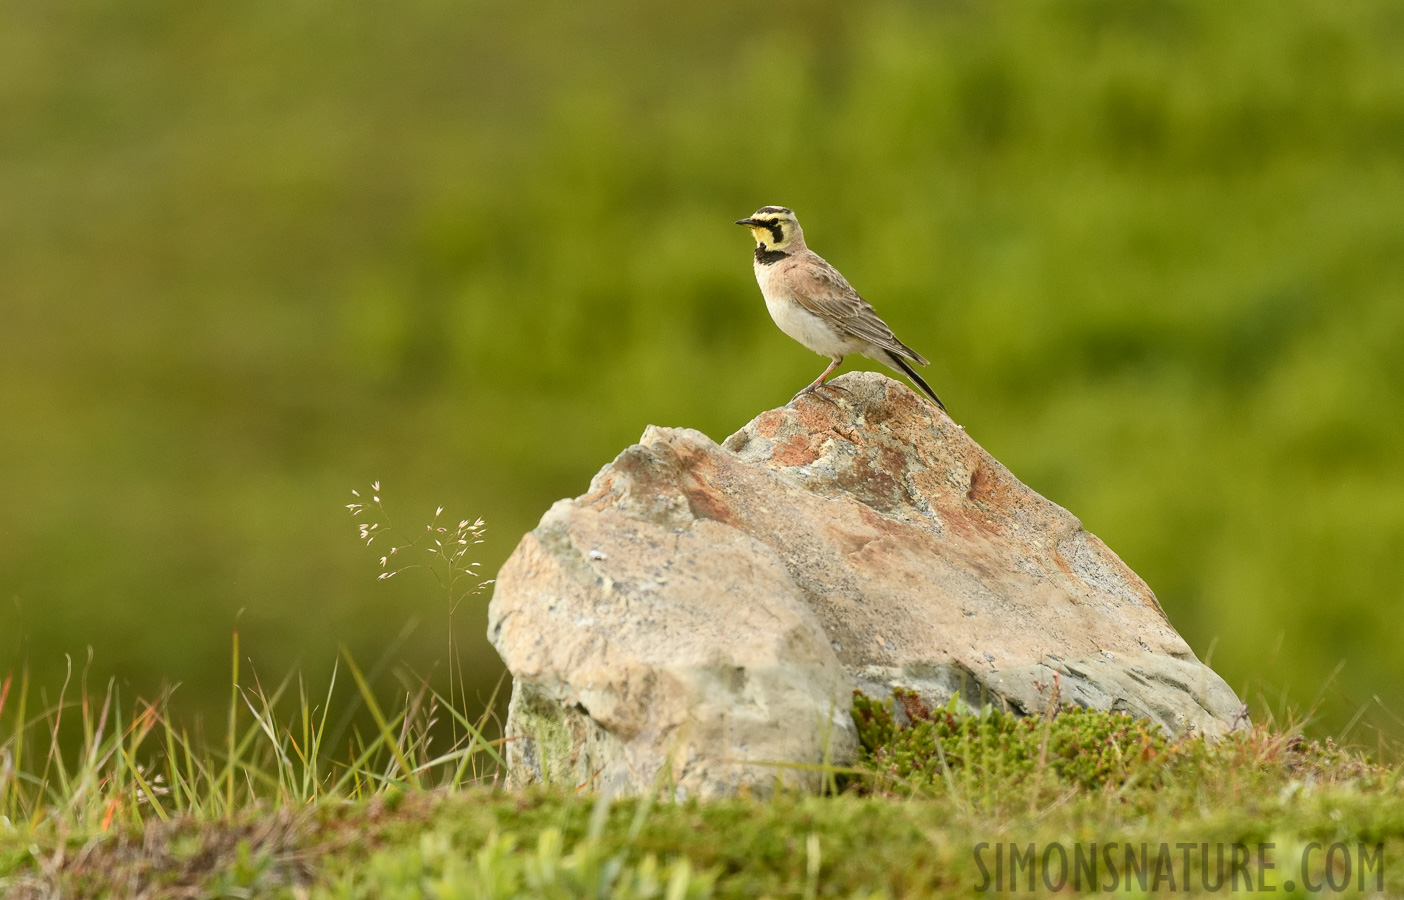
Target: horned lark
814,304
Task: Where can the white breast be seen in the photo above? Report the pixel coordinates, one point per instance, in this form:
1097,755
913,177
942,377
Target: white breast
796,321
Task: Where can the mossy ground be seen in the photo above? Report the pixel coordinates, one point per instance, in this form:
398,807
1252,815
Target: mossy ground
942,782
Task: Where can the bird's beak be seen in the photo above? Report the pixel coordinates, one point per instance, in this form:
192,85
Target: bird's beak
748,222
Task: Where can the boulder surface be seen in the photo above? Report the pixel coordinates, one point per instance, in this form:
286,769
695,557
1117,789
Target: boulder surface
699,619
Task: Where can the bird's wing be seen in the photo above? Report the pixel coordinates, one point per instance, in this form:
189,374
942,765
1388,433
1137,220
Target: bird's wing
821,289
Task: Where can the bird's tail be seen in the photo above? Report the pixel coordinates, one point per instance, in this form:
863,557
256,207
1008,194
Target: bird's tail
898,362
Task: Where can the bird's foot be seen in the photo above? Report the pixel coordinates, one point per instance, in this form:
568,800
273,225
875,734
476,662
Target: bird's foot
818,390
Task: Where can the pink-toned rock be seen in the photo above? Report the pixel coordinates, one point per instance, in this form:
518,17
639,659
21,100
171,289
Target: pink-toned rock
704,612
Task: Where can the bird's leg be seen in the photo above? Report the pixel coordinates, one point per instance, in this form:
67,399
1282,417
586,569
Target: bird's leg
823,376
818,383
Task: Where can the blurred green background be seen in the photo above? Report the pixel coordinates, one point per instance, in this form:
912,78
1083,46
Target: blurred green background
255,255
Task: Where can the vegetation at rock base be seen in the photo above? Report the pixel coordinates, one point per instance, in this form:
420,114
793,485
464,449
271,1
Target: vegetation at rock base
980,753
147,811
991,746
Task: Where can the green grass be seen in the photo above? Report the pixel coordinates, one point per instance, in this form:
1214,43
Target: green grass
277,809
85,763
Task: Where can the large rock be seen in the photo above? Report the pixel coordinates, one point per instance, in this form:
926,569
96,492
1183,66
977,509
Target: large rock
704,612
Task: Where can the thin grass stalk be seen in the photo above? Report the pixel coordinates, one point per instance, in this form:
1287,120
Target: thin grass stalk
180,791
385,728
359,766
233,724
6,756
312,778
16,801
53,760
476,730
305,751
145,788
267,723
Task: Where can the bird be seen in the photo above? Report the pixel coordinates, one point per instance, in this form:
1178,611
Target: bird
815,305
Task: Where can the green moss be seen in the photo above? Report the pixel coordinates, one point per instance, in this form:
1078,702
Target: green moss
502,868
1077,747
546,738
